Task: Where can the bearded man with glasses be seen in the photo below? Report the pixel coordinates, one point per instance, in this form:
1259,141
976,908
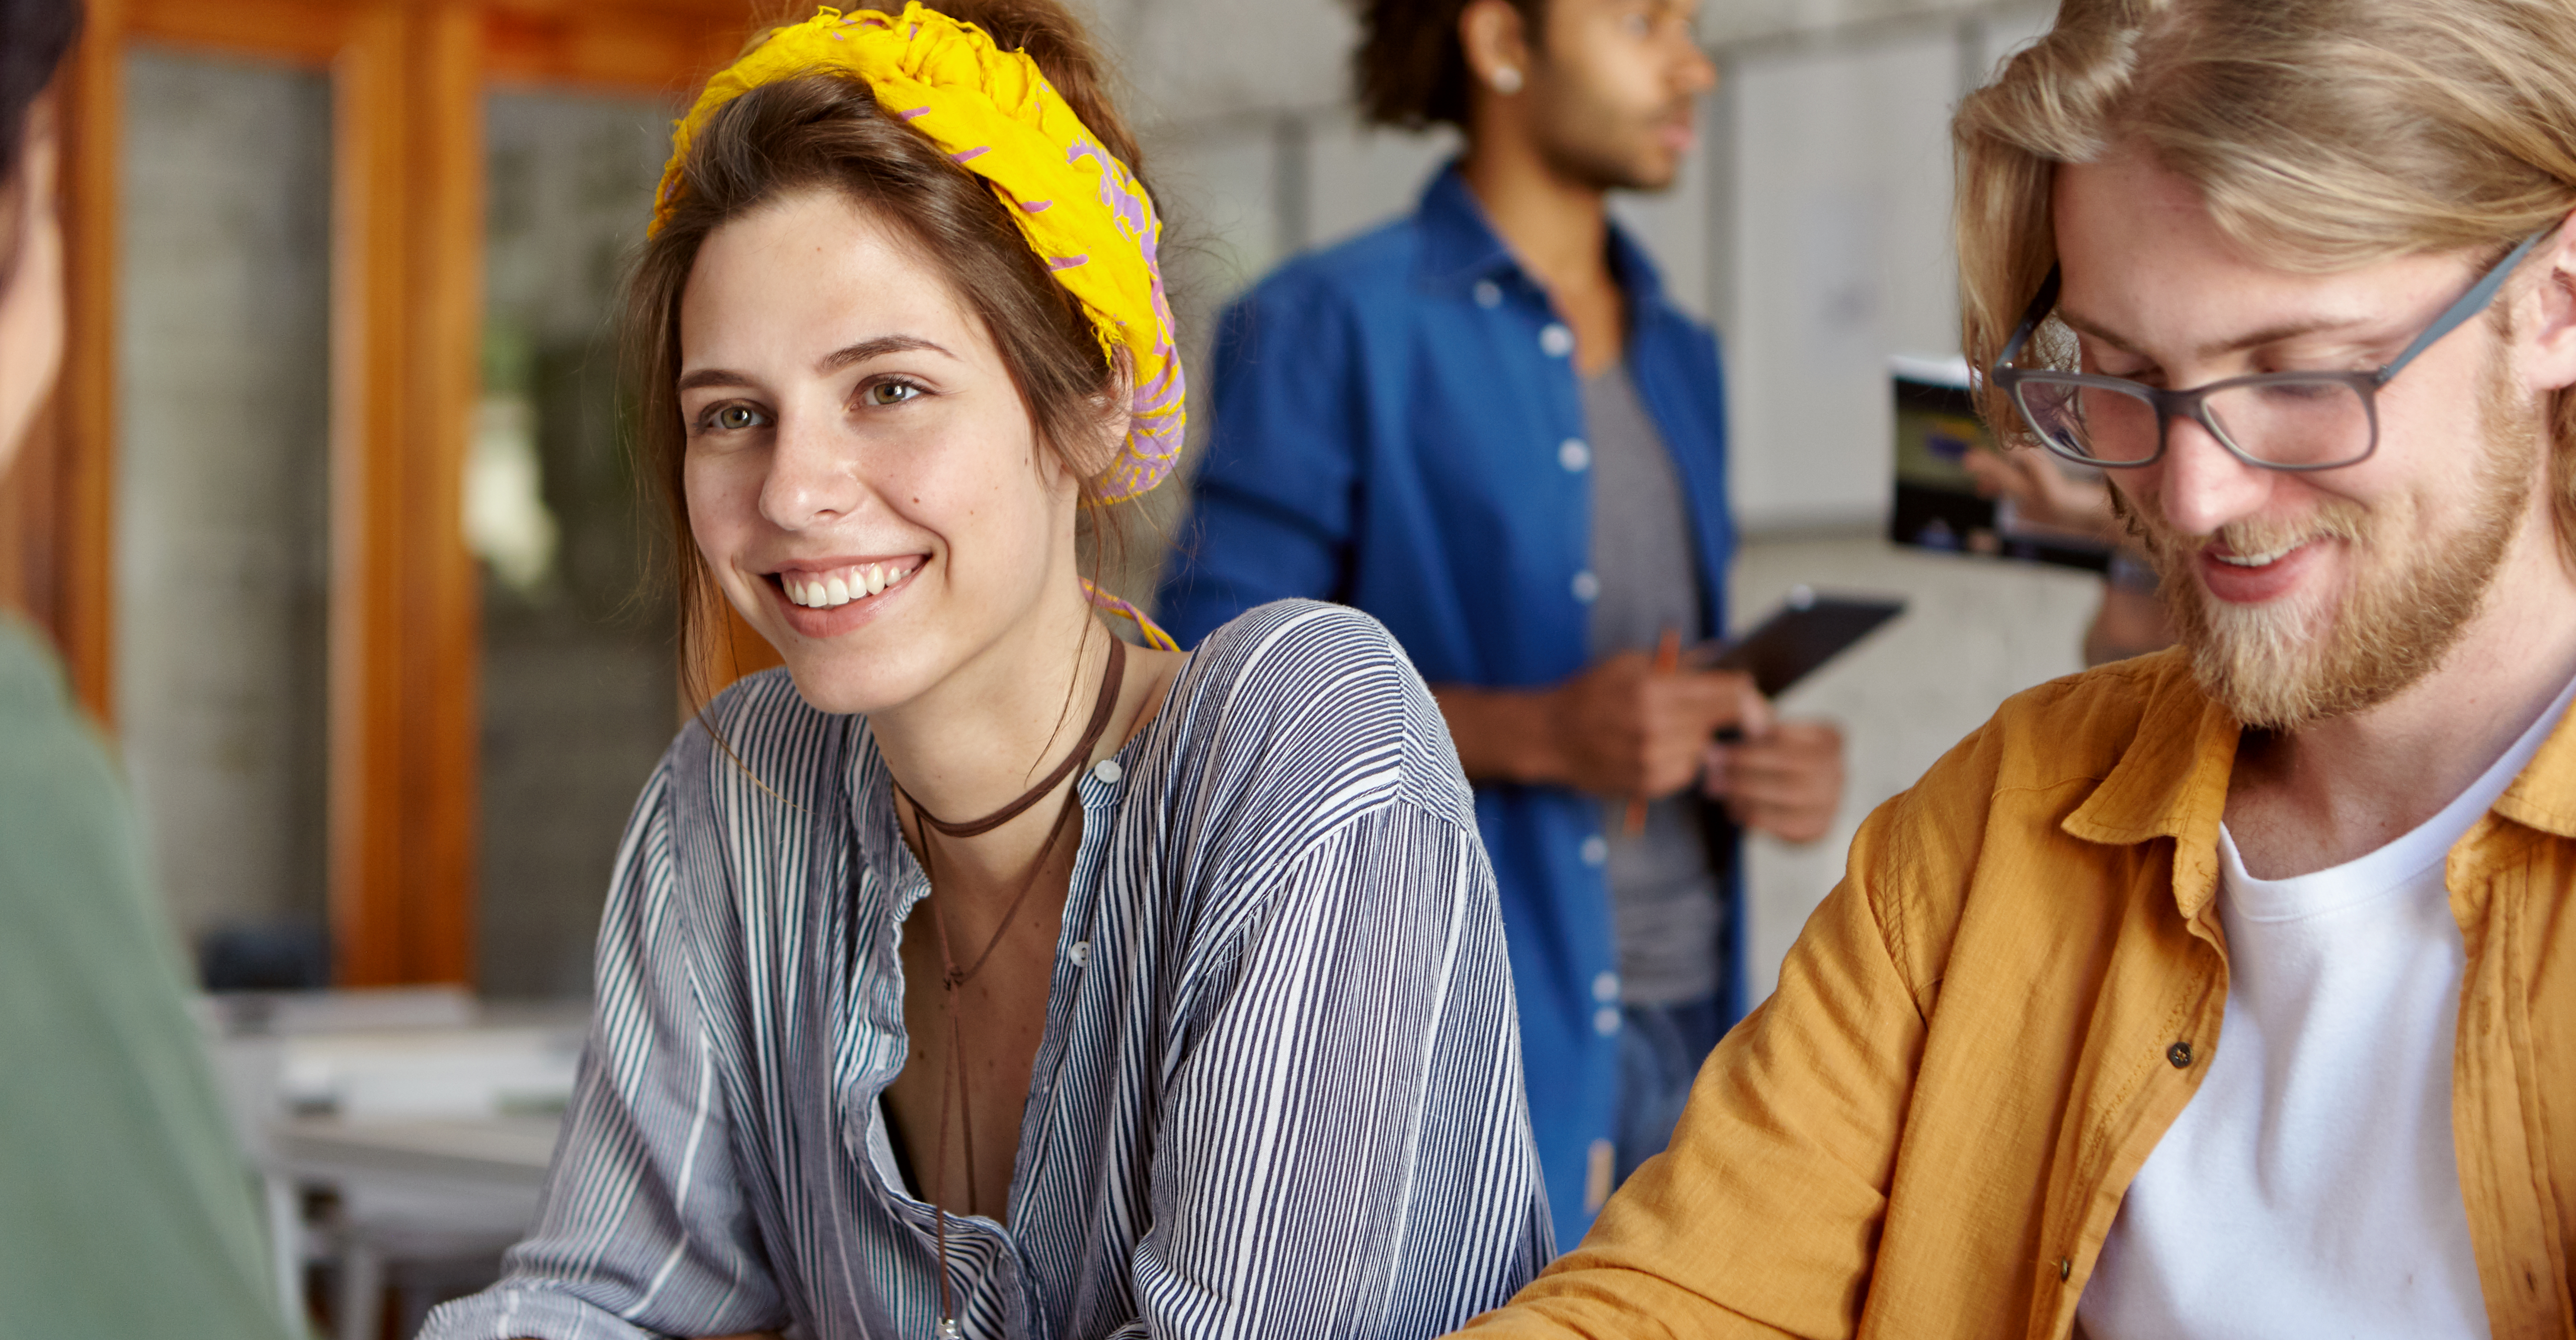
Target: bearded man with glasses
2229,991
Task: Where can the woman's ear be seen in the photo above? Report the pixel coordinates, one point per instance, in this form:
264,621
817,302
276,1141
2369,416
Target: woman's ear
1111,416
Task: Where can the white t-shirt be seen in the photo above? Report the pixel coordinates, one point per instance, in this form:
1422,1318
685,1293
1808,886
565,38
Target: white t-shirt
2311,1188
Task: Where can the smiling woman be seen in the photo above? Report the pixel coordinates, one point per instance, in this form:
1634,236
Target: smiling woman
1192,1016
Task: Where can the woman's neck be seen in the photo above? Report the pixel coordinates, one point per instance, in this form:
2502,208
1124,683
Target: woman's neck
981,737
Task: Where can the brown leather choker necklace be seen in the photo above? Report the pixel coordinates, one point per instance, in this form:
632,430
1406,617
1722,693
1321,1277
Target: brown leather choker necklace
953,979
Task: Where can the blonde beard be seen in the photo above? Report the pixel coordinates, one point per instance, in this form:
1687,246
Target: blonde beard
2289,663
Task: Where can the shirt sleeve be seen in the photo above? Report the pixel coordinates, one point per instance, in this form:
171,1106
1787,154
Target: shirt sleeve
1763,1217
644,1230
1346,1150
1271,504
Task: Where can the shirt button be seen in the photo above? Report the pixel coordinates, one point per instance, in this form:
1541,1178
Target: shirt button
1605,988
1595,851
1555,340
1575,455
1080,953
1587,588
1605,1021
1107,770
1489,295
2180,1055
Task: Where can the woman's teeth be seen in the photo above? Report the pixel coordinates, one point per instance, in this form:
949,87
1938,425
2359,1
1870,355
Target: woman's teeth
824,590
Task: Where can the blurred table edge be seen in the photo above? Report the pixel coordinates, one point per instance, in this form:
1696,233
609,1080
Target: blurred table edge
446,1152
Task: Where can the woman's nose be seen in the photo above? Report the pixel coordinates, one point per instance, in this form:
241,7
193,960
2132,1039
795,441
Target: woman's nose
813,476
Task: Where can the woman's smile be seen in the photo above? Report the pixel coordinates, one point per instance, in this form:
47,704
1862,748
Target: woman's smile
830,597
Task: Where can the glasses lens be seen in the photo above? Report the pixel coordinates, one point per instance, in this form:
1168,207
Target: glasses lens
2094,424
2293,421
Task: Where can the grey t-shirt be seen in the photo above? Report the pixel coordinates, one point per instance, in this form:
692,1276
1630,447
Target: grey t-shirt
1663,896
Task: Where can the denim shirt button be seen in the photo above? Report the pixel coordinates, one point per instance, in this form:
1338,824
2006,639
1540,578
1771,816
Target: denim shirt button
1555,340
1605,1021
1489,295
1605,988
1575,455
1595,851
1587,588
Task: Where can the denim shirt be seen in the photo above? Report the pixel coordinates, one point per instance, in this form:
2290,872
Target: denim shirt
1399,428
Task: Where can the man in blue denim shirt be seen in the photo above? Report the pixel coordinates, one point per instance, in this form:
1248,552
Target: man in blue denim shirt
1486,426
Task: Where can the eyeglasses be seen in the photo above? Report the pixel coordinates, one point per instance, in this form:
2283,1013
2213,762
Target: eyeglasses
2274,420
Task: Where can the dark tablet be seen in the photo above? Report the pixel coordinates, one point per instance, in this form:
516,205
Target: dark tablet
1804,633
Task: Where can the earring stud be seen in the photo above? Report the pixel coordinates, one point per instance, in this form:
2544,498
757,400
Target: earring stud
1507,80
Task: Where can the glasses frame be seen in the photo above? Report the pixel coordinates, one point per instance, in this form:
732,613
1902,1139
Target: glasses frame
2193,402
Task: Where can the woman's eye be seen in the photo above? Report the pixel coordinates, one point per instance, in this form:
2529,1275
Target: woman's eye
890,393
734,418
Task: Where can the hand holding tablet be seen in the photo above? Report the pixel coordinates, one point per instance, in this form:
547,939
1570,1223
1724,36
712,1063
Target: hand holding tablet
1806,632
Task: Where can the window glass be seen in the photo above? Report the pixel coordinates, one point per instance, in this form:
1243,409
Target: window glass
222,541
579,671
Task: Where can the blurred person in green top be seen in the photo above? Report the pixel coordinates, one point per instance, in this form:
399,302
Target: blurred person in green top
125,1206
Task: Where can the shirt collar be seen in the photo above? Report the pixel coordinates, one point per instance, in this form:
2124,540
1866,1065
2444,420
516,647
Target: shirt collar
2171,780
1460,245
2543,795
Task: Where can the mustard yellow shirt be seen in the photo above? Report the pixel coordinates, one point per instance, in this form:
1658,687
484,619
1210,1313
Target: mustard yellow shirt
1988,1025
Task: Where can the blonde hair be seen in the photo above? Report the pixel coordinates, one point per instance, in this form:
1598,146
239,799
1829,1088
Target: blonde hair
2324,135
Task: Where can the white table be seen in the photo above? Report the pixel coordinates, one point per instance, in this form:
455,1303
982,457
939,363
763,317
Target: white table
408,1188
498,1153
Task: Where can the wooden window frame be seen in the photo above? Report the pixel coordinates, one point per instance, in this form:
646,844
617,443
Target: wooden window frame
408,82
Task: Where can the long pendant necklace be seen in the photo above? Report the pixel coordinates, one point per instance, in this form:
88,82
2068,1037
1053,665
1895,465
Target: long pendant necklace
953,979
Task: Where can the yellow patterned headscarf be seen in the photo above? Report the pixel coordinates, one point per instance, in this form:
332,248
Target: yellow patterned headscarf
993,112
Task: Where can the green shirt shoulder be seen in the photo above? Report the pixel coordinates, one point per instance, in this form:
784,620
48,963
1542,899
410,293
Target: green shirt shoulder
125,1205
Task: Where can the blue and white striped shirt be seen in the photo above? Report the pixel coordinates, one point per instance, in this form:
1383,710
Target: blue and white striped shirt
1279,1092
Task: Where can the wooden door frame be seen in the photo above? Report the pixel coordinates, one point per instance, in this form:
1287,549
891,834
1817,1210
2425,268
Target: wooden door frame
408,81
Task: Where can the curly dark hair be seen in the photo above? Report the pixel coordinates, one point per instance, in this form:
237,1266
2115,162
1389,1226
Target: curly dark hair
1411,70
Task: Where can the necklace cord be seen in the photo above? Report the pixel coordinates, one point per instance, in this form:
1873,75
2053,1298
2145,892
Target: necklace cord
1091,733
953,981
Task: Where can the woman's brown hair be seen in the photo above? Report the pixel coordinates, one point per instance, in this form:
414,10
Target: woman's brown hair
826,131
35,35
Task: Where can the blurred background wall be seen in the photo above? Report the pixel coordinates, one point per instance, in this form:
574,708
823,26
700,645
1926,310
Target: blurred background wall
334,523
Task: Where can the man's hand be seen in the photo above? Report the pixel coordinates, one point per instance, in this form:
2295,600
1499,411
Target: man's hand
1618,729
1787,782
1624,730
2045,496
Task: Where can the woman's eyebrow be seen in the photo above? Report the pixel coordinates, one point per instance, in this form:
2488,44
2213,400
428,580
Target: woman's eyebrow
829,363
876,348
713,377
